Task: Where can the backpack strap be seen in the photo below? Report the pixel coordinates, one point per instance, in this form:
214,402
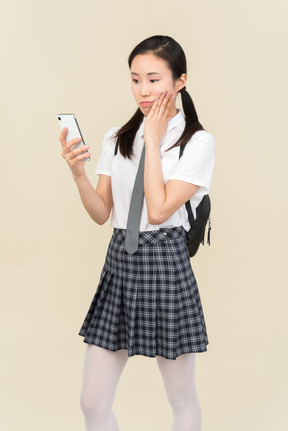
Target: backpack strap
188,204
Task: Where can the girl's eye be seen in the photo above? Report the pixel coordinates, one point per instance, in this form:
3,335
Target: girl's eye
154,80
135,81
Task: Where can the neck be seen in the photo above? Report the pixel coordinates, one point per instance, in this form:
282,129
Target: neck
173,111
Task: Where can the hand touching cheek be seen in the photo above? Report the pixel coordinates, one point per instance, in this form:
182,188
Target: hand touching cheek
157,120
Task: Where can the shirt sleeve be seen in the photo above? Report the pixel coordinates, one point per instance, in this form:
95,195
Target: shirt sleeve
106,157
197,162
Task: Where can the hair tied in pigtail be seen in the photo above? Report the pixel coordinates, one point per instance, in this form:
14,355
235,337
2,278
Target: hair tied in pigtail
182,90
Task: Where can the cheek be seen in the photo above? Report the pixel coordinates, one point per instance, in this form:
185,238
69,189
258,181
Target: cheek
165,86
134,90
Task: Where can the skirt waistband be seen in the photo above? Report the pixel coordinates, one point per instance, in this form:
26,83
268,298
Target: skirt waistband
154,236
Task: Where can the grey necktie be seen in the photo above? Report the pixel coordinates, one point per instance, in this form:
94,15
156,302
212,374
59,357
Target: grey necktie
135,209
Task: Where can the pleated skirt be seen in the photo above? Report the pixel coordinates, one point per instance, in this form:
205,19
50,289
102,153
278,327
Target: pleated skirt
148,302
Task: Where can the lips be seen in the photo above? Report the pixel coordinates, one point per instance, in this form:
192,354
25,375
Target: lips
145,104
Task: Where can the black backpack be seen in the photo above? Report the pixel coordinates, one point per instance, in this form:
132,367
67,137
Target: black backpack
196,234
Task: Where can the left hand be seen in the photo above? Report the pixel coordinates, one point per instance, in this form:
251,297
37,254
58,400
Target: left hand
157,120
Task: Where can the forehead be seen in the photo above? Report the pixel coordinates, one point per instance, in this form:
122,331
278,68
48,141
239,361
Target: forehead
148,63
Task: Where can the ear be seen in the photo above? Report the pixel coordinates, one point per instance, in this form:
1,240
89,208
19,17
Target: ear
181,82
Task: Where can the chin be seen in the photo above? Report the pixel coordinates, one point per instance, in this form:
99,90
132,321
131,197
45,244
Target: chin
145,111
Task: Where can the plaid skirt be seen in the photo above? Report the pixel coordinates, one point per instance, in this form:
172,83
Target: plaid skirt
148,302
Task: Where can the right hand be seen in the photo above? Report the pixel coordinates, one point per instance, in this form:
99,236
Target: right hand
75,157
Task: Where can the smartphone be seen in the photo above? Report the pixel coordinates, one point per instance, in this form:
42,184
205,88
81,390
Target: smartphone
70,121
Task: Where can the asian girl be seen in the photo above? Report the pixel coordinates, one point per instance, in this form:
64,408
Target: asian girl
147,302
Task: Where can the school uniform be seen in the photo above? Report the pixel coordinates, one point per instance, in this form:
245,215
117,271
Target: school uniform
149,302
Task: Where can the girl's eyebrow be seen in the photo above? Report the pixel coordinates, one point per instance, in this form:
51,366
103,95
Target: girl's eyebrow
150,73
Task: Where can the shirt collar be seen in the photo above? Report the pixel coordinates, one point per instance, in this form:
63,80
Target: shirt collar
175,121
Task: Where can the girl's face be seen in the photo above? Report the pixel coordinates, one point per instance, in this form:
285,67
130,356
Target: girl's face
151,77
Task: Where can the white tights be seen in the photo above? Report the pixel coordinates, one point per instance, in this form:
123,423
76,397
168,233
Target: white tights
102,371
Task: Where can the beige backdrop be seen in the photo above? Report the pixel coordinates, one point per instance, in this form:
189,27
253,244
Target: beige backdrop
71,56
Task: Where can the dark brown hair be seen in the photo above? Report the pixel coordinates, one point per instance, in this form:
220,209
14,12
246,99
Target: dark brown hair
169,50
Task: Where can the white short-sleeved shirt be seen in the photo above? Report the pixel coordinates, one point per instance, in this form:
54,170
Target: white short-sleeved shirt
195,166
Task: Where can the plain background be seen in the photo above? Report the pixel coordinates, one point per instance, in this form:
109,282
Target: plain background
71,56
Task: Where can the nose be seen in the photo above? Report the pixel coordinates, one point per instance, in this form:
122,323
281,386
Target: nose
145,90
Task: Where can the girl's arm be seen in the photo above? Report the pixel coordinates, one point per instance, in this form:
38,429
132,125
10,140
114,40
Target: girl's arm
98,203
162,201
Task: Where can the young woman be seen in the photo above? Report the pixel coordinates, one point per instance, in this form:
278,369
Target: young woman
147,302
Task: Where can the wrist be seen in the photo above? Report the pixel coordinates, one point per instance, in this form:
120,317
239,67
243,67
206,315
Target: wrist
152,147
79,177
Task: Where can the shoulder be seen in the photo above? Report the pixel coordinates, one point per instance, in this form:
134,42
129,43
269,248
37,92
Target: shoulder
201,141
109,141
110,134
202,136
